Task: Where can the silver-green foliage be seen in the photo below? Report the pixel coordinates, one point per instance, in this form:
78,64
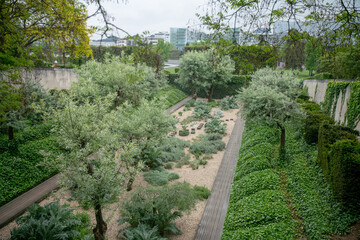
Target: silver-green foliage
215,126
204,70
160,176
271,97
201,109
129,82
172,149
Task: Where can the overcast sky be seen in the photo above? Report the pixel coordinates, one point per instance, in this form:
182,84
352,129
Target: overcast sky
137,16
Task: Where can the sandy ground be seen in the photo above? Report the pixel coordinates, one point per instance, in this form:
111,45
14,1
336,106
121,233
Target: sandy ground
204,176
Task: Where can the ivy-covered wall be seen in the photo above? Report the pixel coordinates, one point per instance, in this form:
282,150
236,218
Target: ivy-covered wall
339,99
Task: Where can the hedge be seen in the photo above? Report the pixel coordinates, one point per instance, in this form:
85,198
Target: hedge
344,172
339,158
314,118
258,207
236,83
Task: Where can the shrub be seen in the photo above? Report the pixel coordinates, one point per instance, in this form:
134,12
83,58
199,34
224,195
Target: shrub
151,157
218,113
254,182
272,231
312,124
190,103
183,161
172,149
160,176
158,207
252,164
228,103
328,135
215,126
201,109
263,207
201,192
141,232
208,145
51,222
169,165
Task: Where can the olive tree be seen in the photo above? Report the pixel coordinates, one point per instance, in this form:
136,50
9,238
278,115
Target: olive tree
193,72
119,76
89,168
205,71
271,98
143,127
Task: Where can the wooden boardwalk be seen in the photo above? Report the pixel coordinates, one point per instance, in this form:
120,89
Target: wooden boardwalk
18,206
212,221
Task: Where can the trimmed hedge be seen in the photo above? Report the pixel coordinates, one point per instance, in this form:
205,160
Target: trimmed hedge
172,94
314,118
236,83
344,172
258,207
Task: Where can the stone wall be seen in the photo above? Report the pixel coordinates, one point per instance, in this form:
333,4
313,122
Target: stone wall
51,78
317,91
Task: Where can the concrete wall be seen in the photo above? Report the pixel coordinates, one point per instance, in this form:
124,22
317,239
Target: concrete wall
51,78
317,91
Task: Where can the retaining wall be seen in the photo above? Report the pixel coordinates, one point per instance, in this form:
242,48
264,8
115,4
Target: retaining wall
317,90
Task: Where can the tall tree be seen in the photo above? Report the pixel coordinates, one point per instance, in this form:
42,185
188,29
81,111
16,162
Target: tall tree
57,23
313,50
89,168
271,98
294,50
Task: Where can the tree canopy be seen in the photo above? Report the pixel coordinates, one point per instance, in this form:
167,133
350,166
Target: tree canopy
271,98
26,24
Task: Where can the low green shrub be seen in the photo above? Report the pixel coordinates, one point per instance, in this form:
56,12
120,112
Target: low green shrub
51,222
228,103
261,208
169,165
172,95
24,170
141,232
217,114
190,103
209,144
321,76
160,176
172,149
201,109
273,231
252,164
190,119
201,192
183,161
215,126
267,179
151,157
159,207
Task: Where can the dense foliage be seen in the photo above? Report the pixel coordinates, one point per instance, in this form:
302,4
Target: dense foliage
159,207
160,177
51,222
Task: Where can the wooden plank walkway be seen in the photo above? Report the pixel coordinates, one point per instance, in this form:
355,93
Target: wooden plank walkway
212,221
18,206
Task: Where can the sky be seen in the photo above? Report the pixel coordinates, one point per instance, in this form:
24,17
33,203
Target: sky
137,16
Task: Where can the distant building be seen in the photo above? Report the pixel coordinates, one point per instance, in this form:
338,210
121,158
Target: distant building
107,42
178,37
125,42
162,35
233,34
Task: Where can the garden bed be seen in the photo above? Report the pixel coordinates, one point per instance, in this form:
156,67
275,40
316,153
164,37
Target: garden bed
203,176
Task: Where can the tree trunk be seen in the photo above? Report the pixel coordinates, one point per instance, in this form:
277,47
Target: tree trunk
101,227
11,133
211,93
282,139
129,184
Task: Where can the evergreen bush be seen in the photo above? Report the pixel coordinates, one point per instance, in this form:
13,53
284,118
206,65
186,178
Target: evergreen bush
160,177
